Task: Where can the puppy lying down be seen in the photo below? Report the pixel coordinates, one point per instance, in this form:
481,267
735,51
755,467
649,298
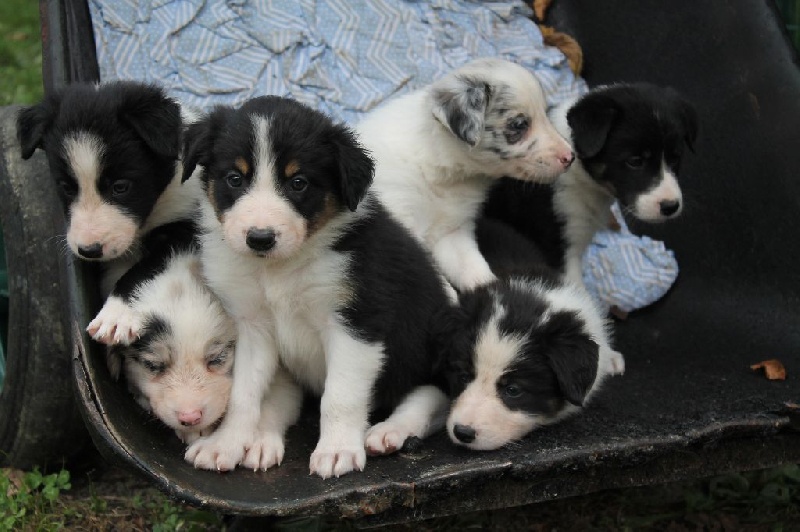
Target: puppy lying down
526,351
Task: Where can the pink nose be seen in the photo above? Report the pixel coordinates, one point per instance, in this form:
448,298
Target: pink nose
566,159
190,417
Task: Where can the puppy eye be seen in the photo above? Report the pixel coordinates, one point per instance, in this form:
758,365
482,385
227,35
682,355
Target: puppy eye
120,187
635,162
234,179
464,378
217,360
68,188
298,183
512,391
518,123
156,368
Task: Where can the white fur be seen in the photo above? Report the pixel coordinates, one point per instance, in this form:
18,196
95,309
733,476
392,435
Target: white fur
479,405
422,412
648,205
435,183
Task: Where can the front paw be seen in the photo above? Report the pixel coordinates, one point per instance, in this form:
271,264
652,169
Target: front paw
116,323
265,452
332,459
616,363
221,451
385,438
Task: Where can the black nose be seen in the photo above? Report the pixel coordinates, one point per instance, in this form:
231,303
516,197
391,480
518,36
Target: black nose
95,251
669,207
464,433
260,239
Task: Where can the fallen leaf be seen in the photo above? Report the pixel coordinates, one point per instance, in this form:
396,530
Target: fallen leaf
773,369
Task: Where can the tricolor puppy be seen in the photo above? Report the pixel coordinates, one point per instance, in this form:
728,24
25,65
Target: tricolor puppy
439,149
113,152
630,140
526,350
317,277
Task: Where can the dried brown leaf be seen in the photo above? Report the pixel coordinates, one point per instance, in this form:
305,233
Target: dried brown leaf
773,369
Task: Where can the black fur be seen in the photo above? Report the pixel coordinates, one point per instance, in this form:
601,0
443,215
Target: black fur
158,247
609,127
559,361
140,128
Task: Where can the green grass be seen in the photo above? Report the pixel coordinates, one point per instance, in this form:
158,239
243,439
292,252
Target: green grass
20,52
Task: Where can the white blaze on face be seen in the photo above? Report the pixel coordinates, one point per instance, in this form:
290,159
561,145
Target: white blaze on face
479,406
92,220
648,205
262,206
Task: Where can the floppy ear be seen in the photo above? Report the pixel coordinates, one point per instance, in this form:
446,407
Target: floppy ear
356,167
687,115
573,356
591,119
198,141
155,117
459,103
33,122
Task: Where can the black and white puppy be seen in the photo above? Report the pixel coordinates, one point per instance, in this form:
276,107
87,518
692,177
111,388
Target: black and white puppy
113,151
629,140
525,351
438,150
317,277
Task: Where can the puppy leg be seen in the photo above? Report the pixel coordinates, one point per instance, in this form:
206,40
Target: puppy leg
253,370
422,412
353,367
116,323
279,410
459,259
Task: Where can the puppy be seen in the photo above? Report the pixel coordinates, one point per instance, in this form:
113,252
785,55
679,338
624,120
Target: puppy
525,351
317,277
629,140
438,151
113,152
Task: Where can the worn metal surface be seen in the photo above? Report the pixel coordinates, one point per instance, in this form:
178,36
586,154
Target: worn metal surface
688,405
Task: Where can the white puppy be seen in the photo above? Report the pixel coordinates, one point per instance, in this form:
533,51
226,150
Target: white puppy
438,150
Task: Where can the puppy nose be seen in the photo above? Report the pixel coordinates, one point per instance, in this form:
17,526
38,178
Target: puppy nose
464,433
669,207
190,417
94,251
567,159
260,239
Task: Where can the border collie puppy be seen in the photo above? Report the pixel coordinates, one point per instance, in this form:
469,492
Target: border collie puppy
317,277
526,350
629,140
179,365
113,152
439,149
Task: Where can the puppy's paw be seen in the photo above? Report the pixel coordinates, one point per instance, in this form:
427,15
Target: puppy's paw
265,452
332,459
116,323
616,363
385,438
221,451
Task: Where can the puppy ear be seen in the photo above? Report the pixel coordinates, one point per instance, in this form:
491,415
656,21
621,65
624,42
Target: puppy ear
154,116
32,124
573,356
448,337
591,119
687,115
459,103
356,167
198,141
